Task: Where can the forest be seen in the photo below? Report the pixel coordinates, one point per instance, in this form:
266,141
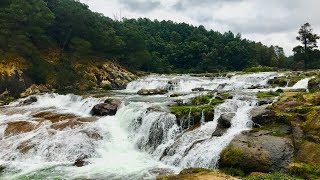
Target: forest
28,28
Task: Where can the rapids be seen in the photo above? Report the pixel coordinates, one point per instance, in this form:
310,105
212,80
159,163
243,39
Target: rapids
136,143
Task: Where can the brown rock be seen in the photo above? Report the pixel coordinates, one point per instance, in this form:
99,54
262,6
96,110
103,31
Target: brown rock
53,117
108,108
66,124
19,127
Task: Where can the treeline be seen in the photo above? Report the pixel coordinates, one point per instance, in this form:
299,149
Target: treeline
29,27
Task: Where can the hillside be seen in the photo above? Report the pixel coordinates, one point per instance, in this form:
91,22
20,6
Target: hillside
41,41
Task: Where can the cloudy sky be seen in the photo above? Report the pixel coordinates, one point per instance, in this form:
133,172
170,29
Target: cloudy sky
272,22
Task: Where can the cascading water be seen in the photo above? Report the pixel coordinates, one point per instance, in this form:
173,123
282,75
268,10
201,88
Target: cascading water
142,140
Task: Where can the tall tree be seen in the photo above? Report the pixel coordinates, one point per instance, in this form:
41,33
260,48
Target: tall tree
308,40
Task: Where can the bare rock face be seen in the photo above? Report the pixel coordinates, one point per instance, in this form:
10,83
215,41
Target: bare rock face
108,108
258,152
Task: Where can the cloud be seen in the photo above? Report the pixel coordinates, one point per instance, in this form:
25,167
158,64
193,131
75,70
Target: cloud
271,22
140,6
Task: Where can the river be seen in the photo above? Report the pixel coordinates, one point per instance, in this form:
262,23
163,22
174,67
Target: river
136,143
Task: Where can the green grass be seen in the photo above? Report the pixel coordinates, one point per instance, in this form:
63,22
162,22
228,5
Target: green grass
271,176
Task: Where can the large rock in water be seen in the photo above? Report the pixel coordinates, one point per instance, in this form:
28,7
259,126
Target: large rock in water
224,122
258,152
147,92
108,108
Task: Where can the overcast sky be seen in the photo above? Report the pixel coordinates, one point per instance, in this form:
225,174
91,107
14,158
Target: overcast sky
272,22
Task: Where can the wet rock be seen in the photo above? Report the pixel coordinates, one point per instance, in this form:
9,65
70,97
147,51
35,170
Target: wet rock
258,87
198,89
108,108
224,122
258,152
66,124
262,115
53,117
30,100
147,92
92,134
25,146
80,162
157,109
19,127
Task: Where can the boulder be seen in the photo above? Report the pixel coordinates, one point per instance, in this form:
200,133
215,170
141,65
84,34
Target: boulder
30,100
262,115
108,108
147,92
224,122
258,152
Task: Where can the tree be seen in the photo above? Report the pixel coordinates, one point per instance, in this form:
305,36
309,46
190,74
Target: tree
308,40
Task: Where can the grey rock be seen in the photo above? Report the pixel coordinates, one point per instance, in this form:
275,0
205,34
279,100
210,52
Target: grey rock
262,152
224,122
261,115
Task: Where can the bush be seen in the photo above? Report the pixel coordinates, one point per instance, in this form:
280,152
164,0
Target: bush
305,170
260,69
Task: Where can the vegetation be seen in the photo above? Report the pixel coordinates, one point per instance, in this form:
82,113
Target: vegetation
272,176
268,94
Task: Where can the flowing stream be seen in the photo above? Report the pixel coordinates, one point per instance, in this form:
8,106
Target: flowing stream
143,140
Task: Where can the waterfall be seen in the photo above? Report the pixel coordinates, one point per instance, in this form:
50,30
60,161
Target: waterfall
142,140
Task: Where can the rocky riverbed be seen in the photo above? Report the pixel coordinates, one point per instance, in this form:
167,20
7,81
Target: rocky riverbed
237,123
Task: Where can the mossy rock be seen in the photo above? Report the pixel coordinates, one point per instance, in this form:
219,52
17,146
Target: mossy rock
198,174
278,82
309,153
268,94
232,156
311,126
314,84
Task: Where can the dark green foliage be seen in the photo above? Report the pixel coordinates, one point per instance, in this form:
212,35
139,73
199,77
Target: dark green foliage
259,69
27,28
306,56
140,44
